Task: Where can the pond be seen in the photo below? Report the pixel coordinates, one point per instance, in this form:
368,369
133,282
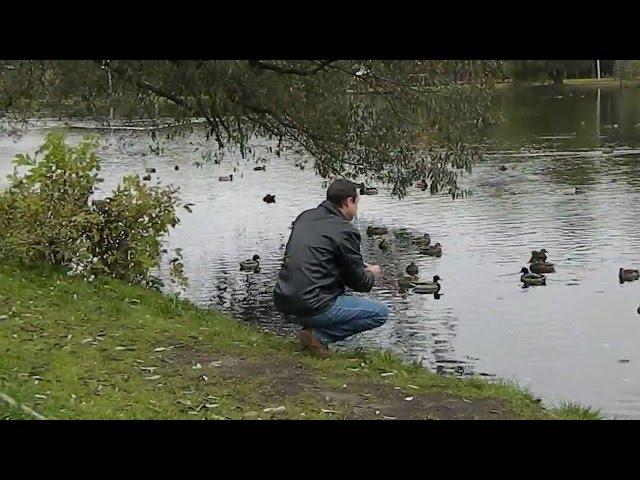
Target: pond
575,338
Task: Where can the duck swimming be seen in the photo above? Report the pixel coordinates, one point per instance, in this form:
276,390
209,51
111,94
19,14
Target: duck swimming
529,278
150,170
384,244
146,177
423,241
176,167
433,251
542,267
503,168
260,167
371,231
428,287
628,275
368,191
538,256
422,185
228,178
252,264
269,198
412,269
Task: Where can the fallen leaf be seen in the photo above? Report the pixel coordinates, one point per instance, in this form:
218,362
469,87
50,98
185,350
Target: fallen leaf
414,387
211,405
324,410
387,374
197,366
467,401
496,412
159,349
389,418
281,408
408,399
152,377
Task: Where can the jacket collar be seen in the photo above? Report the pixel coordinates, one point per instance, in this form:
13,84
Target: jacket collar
332,208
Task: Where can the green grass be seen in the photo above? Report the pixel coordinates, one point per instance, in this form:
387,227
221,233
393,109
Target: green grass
108,350
579,82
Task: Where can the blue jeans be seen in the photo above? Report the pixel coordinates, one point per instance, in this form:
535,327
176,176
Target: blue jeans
349,315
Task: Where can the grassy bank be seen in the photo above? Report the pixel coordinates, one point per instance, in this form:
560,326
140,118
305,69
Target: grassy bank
577,82
107,350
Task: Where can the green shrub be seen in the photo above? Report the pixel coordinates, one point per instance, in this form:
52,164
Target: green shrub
48,215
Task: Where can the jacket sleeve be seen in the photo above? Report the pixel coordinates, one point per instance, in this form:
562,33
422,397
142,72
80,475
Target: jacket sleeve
351,264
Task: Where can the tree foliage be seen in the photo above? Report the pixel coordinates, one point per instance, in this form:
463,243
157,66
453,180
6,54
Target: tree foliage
390,122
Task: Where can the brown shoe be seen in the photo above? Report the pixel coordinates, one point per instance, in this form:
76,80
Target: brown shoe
310,341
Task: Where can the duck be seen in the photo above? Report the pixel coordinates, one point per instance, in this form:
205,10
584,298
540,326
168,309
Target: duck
529,278
541,256
503,168
228,178
433,251
368,191
371,231
406,282
260,168
542,267
146,177
176,167
384,244
252,264
423,241
269,198
428,287
578,190
412,269
627,275
358,185
422,185
150,170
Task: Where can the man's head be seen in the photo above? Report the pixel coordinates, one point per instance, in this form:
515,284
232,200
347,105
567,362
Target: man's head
343,194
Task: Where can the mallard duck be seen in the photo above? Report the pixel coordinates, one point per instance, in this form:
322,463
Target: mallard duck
412,269
578,190
503,168
428,287
529,278
371,231
433,251
252,264
368,191
358,185
628,275
384,244
150,170
541,256
423,241
406,282
269,198
260,167
228,178
422,185
542,267
146,177
176,167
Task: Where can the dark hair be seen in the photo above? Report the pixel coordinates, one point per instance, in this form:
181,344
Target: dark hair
340,190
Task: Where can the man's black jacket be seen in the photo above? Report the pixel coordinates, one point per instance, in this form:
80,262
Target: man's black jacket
322,256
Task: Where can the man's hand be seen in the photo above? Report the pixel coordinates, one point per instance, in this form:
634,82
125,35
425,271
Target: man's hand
375,269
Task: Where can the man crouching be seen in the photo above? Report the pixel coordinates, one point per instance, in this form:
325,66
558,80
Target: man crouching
322,256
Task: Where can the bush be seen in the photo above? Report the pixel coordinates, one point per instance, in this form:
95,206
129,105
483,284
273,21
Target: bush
48,215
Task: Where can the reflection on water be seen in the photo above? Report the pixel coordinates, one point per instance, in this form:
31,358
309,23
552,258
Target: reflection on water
562,340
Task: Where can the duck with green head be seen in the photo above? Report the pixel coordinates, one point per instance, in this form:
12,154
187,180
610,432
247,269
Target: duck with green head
628,275
428,287
529,278
251,264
